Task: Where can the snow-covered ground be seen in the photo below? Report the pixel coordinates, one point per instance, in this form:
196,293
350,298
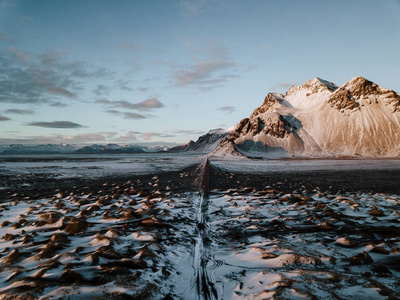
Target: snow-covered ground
91,165
94,165
303,165
97,245
146,240
302,245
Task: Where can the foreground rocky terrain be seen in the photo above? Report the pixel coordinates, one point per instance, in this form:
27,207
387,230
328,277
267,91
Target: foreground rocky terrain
204,232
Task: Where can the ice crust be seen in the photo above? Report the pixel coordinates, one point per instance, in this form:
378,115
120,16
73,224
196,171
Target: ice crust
261,243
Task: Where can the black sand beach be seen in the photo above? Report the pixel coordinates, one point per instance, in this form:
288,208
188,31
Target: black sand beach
186,180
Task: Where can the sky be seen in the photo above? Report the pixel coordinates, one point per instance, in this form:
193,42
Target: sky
165,72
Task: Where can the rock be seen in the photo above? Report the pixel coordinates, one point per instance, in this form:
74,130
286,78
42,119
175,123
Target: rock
361,258
75,225
381,250
376,212
268,255
71,277
12,257
346,242
381,270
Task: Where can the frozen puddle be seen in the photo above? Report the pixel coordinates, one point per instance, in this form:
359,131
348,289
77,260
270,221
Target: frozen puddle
153,243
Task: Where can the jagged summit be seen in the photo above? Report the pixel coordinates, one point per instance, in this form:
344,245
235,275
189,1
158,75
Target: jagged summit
271,101
205,143
320,118
313,86
324,84
359,92
359,86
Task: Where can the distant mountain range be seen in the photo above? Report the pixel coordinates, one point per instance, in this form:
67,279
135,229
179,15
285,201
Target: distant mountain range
69,149
315,119
319,118
205,144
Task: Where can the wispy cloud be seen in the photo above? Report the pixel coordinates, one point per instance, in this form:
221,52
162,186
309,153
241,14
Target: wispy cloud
266,48
82,138
127,115
43,78
149,135
284,85
141,136
3,118
61,92
189,132
190,8
123,85
142,89
5,37
58,104
101,90
149,104
227,109
19,111
56,124
88,138
132,47
201,72
108,134
206,72
129,137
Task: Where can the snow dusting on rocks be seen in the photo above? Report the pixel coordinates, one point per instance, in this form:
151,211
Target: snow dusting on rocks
262,243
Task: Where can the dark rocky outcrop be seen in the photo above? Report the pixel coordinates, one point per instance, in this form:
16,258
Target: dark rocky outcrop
205,143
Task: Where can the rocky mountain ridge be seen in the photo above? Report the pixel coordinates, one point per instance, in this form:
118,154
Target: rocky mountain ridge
72,149
318,118
204,144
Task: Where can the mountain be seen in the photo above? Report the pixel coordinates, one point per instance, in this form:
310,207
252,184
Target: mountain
319,118
90,149
205,143
70,149
110,149
39,149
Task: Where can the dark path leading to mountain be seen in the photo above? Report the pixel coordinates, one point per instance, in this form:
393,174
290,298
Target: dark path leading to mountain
204,282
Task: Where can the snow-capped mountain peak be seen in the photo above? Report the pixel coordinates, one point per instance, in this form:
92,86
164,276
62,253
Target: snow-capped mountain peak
313,86
358,92
310,94
320,118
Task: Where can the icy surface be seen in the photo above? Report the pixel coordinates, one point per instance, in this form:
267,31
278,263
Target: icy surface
269,245
92,165
261,244
150,242
308,165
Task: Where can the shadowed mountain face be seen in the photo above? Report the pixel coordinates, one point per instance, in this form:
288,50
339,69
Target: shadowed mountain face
205,143
319,118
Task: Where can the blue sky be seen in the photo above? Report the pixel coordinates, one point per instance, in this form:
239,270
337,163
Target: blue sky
168,71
